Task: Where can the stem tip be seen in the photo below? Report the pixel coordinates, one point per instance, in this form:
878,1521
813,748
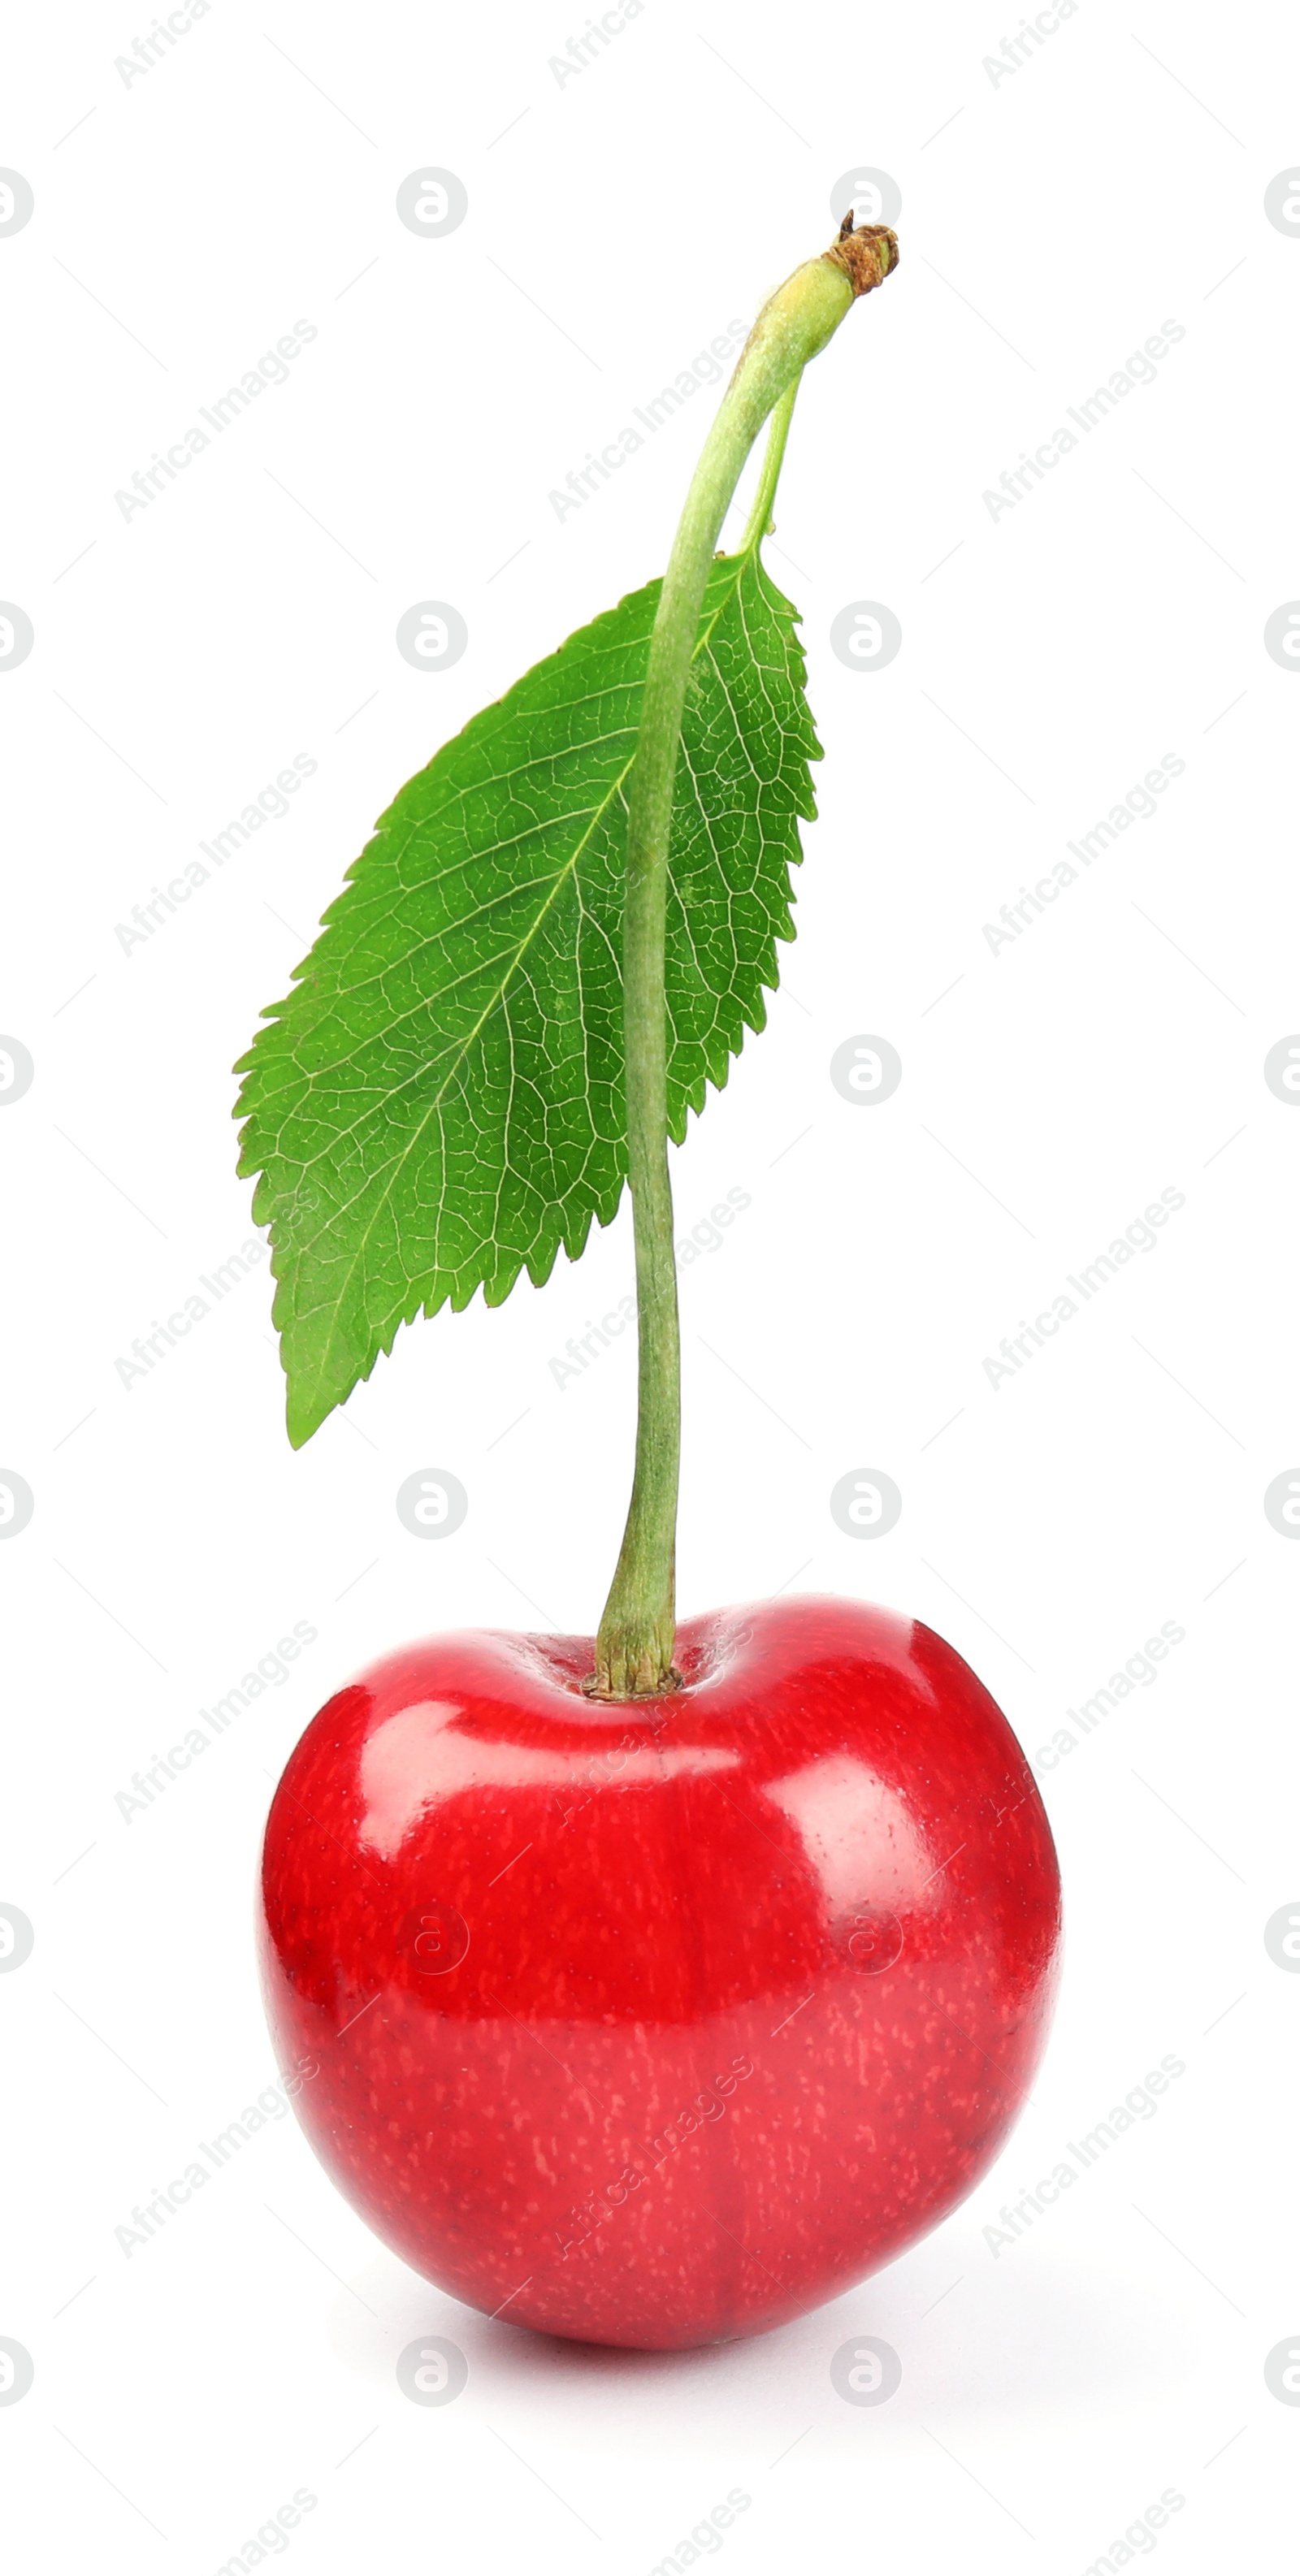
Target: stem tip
866,255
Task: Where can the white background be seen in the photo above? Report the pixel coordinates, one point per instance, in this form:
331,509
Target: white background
1050,222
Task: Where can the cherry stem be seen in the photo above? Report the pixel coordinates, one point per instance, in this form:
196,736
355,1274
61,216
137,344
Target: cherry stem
634,1645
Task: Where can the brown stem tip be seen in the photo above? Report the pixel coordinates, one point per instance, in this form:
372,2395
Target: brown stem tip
866,256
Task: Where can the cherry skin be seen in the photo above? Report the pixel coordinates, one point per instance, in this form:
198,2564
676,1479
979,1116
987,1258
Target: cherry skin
659,2022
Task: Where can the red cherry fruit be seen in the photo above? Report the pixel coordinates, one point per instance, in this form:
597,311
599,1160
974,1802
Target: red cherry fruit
658,2022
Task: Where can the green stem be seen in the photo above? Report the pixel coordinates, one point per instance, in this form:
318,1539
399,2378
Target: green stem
759,522
634,1646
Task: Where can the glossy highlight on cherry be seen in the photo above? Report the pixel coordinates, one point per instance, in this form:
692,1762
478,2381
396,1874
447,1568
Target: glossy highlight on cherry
657,2023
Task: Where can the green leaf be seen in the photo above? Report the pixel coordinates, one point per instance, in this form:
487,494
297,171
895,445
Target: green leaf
438,1104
